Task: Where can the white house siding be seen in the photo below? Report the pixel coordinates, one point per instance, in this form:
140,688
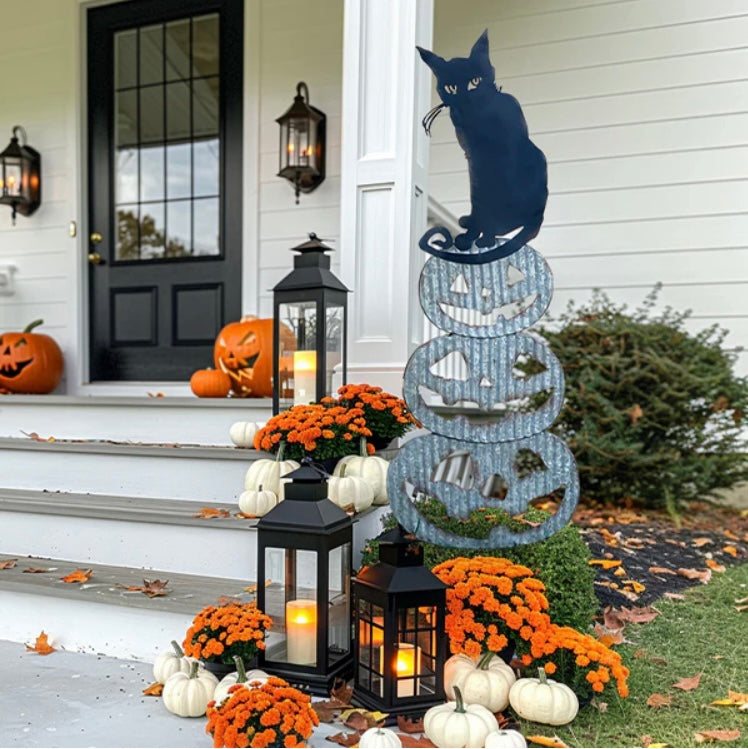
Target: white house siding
641,107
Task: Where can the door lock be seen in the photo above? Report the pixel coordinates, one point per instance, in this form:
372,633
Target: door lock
95,258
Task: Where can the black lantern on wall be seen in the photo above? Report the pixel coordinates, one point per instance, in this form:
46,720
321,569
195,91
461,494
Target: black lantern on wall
20,176
399,608
309,330
302,143
304,549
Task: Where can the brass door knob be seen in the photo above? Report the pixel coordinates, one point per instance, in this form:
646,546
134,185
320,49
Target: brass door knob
95,237
95,258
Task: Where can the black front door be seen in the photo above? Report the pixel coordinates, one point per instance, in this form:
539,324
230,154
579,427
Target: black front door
165,131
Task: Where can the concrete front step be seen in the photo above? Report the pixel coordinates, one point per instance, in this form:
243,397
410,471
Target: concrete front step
178,471
184,420
141,532
101,616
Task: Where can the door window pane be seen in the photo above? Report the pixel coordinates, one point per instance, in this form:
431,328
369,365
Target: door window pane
128,232
151,231
179,228
178,49
151,54
207,241
205,45
177,111
205,106
206,167
125,64
126,117
152,114
178,170
152,173
127,176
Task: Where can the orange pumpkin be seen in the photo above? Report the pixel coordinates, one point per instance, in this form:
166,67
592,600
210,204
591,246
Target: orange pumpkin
210,383
244,351
30,362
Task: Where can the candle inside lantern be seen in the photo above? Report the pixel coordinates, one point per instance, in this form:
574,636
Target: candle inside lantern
301,631
407,663
372,634
304,376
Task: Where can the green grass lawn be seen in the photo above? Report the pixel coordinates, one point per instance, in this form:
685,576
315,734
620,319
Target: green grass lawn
702,635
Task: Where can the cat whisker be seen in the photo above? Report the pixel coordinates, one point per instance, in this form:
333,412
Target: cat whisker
430,116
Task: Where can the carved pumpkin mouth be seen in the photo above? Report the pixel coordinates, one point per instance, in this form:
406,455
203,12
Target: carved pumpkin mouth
251,361
498,410
475,318
13,370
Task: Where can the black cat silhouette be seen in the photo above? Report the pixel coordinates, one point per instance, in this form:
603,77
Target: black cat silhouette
508,172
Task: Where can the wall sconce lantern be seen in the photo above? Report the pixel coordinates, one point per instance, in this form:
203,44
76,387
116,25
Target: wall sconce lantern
399,608
302,143
304,549
309,328
20,176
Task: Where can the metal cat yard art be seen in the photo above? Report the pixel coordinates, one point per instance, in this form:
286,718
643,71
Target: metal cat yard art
510,386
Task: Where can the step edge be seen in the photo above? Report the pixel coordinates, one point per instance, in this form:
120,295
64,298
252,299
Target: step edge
264,404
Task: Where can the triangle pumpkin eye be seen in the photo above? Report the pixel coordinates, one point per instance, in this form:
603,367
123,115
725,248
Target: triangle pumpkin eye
459,285
19,342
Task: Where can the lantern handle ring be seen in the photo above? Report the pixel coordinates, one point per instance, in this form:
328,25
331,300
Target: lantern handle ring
305,95
20,128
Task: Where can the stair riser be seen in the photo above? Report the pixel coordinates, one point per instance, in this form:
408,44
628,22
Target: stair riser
197,424
204,480
216,552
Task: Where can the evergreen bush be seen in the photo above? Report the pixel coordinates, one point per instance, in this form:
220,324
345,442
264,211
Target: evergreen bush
652,412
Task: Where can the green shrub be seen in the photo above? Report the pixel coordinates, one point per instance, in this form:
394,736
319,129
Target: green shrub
560,561
652,411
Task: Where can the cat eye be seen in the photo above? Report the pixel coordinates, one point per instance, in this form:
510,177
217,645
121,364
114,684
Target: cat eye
451,89
473,83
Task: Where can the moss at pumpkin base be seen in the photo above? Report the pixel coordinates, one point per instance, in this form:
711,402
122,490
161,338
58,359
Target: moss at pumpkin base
560,561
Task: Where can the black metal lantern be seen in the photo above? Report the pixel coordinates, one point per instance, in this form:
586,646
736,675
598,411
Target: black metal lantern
302,143
304,550
20,176
399,608
309,330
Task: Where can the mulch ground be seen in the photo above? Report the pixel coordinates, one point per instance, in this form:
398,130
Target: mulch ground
642,556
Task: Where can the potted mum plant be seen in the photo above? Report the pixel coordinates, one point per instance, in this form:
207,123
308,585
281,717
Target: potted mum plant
218,633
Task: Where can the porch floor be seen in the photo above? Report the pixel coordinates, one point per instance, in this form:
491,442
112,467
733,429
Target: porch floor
70,699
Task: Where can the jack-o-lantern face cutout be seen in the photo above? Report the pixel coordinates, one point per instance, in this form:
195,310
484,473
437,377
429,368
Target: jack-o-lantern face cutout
29,362
485,301
413,472
492,383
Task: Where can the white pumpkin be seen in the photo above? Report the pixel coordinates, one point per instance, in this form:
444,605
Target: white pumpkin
267,473
458,725
379,738
257,502
542,700
240,676
370,468
188,695
347,490
171,663
486,682
242,433
499,739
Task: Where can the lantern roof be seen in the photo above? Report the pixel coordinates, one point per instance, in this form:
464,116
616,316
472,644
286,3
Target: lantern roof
300,109
13,150
311,268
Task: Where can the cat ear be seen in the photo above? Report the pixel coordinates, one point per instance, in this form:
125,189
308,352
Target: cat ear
432,60
479,52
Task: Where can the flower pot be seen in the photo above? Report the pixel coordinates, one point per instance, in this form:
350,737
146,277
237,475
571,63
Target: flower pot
507,653
219,670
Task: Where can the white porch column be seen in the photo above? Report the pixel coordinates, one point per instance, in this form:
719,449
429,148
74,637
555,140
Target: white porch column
383,181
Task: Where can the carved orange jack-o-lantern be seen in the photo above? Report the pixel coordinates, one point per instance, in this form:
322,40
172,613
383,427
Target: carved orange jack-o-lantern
29,362
244,351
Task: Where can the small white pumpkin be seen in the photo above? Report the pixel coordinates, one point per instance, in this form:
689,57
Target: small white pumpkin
171,663
267,473
242,433
188,695
370,468
542,700
347,490
486,682
257,502
499,739
240,676
379,738
458,725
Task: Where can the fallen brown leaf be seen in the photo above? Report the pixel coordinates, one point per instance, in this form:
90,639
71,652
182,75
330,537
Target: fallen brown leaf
411,742
361,720
658,661
727,533
635,586
41,646
715,566
719,735
620,572
638,614
154,690
703,576
345,739
688,683
606,564
35,570
212,512
662,571
731,550
553,742
7,564
78,576
407,725
228,600
659,700
636,413
675,596
612,619
153,588
341,691
703,541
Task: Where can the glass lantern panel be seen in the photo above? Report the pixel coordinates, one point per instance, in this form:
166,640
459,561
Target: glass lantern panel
11,181
415,656
298,142
334,327
291,600
370,647
339,603
298,356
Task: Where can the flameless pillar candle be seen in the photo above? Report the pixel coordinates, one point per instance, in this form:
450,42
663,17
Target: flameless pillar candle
304,376
407,663
301,631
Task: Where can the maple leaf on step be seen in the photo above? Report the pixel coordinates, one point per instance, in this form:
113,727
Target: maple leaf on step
78,576
688,683
345,739
41,646
35,570
719,735
6,564
212,512
659,700
154,690
153,588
